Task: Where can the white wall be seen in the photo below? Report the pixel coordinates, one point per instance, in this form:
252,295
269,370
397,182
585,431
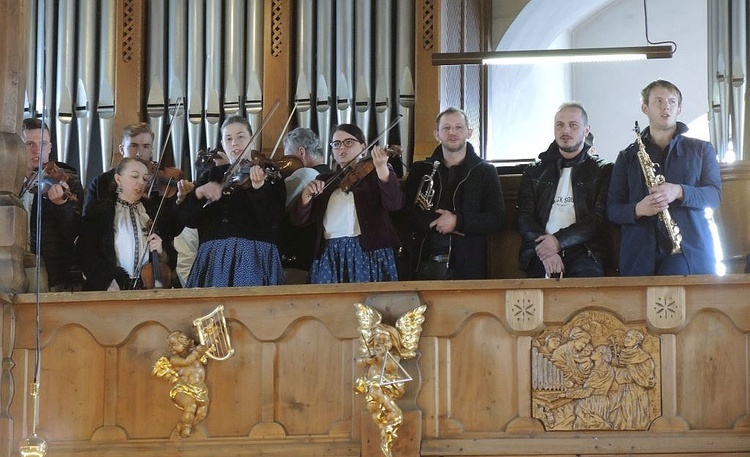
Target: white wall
523,99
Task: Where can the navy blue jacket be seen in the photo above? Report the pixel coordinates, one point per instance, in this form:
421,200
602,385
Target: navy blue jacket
689,162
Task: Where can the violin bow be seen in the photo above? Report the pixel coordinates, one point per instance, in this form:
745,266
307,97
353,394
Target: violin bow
166,141
367,148
281,135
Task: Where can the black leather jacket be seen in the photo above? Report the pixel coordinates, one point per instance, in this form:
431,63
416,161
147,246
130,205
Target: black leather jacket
590,177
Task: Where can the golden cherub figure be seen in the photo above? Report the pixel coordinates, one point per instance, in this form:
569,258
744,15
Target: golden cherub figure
185,369
382,347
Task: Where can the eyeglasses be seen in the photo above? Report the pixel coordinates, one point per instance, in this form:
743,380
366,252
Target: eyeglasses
347,143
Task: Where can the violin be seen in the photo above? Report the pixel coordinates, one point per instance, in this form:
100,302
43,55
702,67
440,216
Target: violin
156,274
52,175
355,172
164,180
274,169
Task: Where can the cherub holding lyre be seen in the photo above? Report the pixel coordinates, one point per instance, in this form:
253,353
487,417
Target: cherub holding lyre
185,369
382,347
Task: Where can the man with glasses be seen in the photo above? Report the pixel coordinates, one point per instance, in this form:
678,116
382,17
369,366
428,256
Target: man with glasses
137,141
465,206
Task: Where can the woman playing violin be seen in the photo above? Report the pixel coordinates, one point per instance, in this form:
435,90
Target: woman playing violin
116,239
237,218
355,237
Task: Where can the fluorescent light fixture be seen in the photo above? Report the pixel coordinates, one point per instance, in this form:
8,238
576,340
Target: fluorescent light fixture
553,56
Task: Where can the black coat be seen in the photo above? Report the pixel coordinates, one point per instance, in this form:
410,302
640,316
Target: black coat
96,245
590,180
477,202
60,227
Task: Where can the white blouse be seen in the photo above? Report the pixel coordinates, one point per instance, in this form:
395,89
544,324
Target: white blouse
340,219
130,236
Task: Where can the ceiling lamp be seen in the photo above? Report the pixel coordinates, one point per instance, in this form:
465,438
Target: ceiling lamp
554,56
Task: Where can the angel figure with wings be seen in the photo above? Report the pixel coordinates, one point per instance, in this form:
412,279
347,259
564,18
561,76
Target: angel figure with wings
381,349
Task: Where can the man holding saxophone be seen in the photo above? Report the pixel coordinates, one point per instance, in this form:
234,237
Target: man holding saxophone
661,186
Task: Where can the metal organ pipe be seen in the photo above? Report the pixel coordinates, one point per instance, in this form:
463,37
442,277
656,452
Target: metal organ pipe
305,37
383,66
155,105
362,64
324,70
234,55
65,76
254,65
106,101
344,62
739,75
213,72
86,81
404,77
195,79
178,76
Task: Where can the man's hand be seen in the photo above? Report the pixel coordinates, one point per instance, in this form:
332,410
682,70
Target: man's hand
553,265
445,223
658,199
56,193
547,246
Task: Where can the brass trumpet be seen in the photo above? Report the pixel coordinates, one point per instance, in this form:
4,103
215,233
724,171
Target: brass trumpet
424,197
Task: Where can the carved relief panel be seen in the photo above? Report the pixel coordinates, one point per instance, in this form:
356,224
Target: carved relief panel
595,373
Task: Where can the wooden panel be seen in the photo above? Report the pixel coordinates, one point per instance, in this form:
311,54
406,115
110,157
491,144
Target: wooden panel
288,389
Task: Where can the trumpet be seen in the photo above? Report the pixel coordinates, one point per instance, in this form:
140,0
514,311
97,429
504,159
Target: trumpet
652,179
424,197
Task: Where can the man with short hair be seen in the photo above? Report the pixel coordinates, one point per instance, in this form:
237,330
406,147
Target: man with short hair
61,207
692,183
298,242
137,141
562,203
451,234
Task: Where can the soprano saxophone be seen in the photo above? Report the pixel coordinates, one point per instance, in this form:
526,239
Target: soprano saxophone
652,179
426,193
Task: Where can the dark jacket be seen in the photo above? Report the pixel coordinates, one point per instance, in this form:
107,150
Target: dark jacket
478,205
373,199
692,164
60,227
590,181
245,213
96,246
101,187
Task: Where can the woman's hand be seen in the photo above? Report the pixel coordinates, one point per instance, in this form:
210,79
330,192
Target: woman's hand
314,188
380,160
257,177
184,187
211,191
155,244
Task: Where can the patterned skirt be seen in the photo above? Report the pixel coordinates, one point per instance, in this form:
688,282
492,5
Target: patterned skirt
236,262
343,260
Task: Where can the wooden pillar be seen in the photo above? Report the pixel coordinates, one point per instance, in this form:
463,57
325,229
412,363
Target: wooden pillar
130,66
732,218
277,24
13,220
427,77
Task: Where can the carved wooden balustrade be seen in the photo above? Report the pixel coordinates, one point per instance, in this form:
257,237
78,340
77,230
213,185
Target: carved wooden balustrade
288,388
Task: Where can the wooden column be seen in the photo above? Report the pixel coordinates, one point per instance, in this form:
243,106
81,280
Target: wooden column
276,67
13,220
732,218
427,77
130,66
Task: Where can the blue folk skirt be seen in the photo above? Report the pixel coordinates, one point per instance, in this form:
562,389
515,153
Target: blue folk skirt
236,262
343,260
